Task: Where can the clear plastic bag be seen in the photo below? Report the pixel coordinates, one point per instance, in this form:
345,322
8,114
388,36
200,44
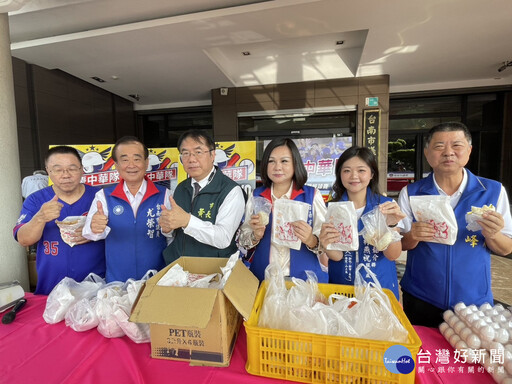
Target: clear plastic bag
262,207
437,211
275,306
369,315
475,215
133,286
174,277
343,216
69,227
66,293
82,315
137,332
107,298
285,213
374,316
376,231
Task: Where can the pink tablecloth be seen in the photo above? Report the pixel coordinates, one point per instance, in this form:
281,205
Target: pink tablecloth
32,351
436,362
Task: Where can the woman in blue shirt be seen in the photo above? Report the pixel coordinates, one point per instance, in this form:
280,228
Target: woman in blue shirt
357,180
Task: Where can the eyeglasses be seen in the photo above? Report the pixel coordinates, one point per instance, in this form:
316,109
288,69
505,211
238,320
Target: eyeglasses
60,171
197,154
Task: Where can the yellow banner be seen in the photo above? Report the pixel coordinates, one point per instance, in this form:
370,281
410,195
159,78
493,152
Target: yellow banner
236,159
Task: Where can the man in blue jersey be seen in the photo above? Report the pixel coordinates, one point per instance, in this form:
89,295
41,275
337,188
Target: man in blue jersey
55,258
438,276
126,215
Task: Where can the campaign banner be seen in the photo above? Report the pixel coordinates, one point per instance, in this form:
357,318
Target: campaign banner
236,159
99,167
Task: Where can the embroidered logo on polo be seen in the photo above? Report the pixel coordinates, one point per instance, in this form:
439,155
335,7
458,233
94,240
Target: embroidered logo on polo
203,213
472,240
152,216
20,220
118,210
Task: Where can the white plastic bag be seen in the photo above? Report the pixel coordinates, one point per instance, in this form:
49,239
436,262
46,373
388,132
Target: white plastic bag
107,298
285,213
262,207
437,211
374,317
275,307
82,315
376,231
137,332
343,216
66,293
475,215
174,277
69,227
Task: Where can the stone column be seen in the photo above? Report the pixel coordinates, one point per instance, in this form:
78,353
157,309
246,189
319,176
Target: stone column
13,257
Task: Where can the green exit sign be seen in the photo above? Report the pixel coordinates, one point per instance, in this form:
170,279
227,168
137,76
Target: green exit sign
372,101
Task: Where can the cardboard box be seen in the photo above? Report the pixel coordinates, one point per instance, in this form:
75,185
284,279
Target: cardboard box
199,325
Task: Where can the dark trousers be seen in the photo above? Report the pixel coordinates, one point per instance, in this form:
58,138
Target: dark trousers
420,312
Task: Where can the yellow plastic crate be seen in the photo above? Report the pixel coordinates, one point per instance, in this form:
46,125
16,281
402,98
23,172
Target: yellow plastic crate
313,358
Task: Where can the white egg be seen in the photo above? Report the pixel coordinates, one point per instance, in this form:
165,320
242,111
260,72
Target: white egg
473,341
497,346
447,315
454,339
491,312
453,320
465,333
485,344
508,366
485,306
502,336
508,347
507,356
480,314
473,308
498,375
443,326
487,333
496,326
461,345
479,324
487,319
507,314
463,312
460,305
459,326
499,318
499,308
448,333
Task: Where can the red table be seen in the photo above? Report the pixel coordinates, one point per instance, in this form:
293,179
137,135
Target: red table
32,351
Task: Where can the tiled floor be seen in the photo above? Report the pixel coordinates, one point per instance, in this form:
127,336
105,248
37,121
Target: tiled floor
501,274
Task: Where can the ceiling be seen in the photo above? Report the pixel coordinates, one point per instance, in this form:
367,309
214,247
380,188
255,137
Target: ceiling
172,53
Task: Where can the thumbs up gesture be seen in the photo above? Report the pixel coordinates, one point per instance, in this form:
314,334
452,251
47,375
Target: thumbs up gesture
50,210
99,219
173,218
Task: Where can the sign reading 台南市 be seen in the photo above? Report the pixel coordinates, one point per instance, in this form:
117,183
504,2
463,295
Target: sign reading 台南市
371,128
